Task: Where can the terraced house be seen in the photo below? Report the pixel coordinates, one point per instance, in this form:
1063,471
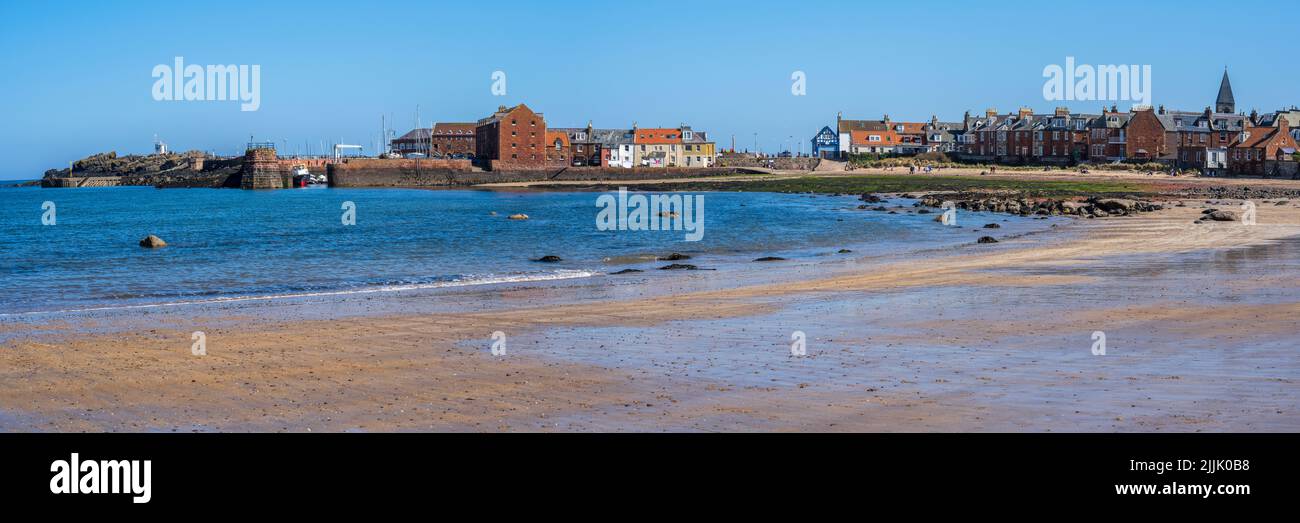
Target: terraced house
657,147
884,141
1202,139
1108,136
697,150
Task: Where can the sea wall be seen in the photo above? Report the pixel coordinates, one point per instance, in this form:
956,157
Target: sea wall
403,173
784,164
376,172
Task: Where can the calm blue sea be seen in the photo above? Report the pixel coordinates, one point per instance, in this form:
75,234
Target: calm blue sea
231,244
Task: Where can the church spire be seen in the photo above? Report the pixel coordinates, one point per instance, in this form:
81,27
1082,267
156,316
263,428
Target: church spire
1225,103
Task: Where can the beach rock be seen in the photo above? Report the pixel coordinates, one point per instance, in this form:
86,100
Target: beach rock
1115,205
770,258
626,271
673,257
550,258
923,211
986,239
1073,207
879,208
992,226
679,267
845,251
1223,216
152,242
939,218
520,216
871,198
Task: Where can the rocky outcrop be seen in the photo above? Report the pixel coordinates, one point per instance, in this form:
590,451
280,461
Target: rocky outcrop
189,169
1092,207
550,258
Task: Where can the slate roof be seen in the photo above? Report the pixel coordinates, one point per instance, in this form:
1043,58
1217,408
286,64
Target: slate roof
415,135
860,125
1270,119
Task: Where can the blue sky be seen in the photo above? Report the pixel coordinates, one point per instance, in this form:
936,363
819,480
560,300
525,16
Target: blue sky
77,75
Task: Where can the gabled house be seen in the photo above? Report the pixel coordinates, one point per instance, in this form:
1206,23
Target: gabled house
1272,119
845,129
697,149
1259,150
873,142
558,146
942,136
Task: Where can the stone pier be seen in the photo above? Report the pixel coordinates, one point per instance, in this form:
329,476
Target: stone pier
262,170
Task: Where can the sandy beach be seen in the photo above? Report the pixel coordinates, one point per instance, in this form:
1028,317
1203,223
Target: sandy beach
1200,322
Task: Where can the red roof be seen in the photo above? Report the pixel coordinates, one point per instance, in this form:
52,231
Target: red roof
657,136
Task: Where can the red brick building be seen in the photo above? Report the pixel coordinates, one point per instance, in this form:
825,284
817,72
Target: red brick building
1108,138
558,148
1259,147
1146,136
513,137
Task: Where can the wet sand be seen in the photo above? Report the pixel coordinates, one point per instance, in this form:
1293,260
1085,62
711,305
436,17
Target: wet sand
1201,324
